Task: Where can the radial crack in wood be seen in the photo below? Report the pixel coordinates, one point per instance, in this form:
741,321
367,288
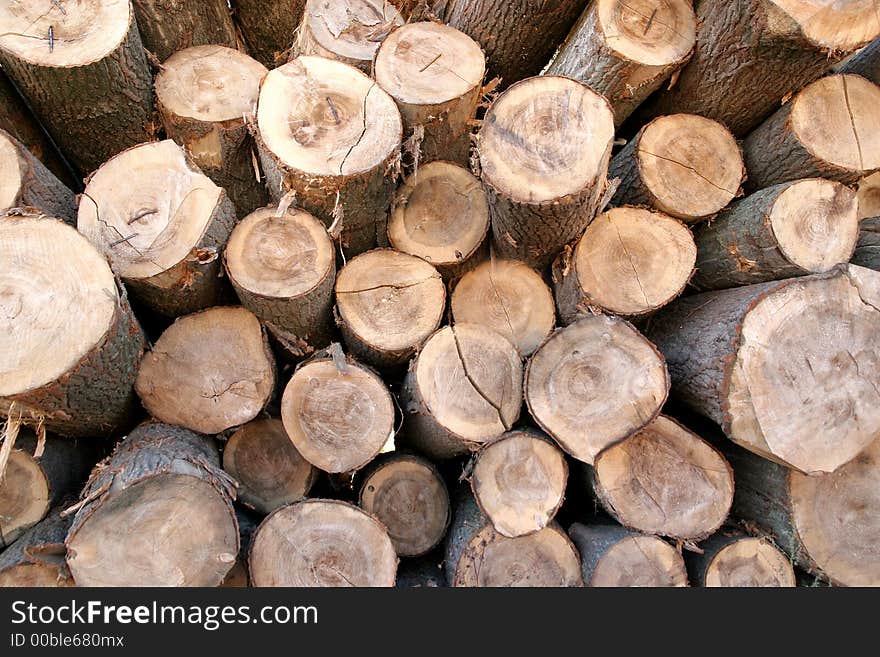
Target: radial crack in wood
162,224
463,388
509,297
388,303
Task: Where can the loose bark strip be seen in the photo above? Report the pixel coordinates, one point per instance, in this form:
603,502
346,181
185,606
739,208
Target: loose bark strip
519,482
509,297
751,54
34,482
665,480
740,356
339,415
435,75
868,250
283,268
629,262
69,344
158,512
162,224
333,147
168,27
519,36
37,558
828,524
204,95
389,303
17,120
545,183
684,165
27,182
787,230
268,27
463,389
209,371
627,50
614,556
408,495
737,560
322,543
269,470
349,31
92,88
826,131
442,216
594,384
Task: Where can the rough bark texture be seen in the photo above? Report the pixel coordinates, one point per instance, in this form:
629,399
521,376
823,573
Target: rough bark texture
740,69
151,452
167,26
447,127
625,167
232,167
737,355
196,282
37,558
17,120
467,520
444,120
762,498
364,198
93,111
39,187
536,232
774,154
866,63
588,55
64,463
739,247
868,250
302,324
699,336
269,27
96,397
519,36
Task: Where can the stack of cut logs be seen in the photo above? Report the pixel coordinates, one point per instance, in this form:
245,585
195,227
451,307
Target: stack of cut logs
324,250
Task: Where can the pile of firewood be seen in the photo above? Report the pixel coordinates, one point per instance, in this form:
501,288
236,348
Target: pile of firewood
470,293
